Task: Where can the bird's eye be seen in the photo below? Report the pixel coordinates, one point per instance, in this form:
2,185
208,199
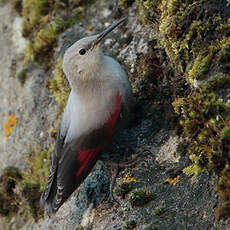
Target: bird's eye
82,51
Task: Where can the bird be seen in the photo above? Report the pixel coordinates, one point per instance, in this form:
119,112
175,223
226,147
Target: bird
99,101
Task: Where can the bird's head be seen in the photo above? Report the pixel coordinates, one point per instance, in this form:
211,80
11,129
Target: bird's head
82,60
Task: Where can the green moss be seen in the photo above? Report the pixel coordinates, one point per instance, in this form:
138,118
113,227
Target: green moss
43,21
44,41
196,41
159,211
216,82
20,190
140,197
17,5
185,38
37,166
202,124
29,53
149,10
129,225
60,24
33,181
33,12
205,118
223,47
200,67
21,75
151,227
123,188
8,199
126,3
214,54
59,85
30,194
225,134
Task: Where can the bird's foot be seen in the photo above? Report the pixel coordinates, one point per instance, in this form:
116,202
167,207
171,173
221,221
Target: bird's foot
120,165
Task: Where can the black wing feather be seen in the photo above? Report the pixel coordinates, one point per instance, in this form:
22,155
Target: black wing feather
62,181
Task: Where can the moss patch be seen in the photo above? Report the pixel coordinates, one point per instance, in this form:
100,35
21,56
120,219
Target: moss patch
149,10
37,166
187,37
195,36
44,20
59,85
8,199
123,188
17,5
151,227
159,211
140,197
21,189
126,3
129,225
205,118
34,179
22,74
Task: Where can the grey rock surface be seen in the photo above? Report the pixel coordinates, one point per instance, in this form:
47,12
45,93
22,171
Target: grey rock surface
31,104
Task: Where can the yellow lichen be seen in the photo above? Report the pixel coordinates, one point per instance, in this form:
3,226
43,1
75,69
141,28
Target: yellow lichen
173,181
9,125
129,178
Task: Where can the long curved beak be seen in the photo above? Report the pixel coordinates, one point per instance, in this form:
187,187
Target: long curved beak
101,35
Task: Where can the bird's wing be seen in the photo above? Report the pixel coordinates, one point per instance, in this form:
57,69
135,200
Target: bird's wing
73,161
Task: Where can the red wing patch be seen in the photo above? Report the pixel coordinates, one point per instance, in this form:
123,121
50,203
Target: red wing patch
114,116
88,156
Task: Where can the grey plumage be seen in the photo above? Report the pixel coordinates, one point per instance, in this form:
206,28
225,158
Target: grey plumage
100,92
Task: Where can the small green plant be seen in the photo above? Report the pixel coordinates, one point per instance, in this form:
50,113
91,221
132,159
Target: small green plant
8,199
140,197
21,75
123,188
129,225
126,3
159,210
151,227
37,166
17,5
21,189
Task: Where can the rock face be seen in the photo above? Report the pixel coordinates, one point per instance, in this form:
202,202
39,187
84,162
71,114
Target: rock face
31,104
181,202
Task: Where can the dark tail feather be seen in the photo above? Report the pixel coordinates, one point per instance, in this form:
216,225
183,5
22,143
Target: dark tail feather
66,177
47,203
47,197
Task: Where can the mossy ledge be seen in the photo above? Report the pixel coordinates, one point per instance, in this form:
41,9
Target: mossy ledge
140,197
44,20
196,38
20,190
